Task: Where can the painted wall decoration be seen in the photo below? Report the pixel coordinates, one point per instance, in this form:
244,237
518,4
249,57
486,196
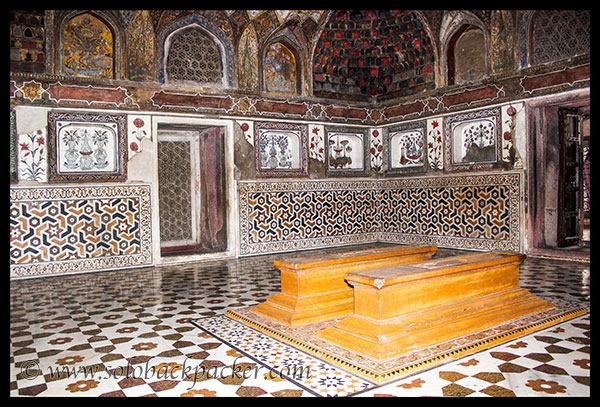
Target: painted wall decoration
88,48
63,230
281,149
280,74
247,127
435,144
347,151
443,211
32,154
472,141
141,53
138,129
406,148
87,146
510,149
376,150
317,142
247,74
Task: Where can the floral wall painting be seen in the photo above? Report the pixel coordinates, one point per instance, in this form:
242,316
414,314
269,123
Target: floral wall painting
32,156
347,151
138,128
473,140
281,149
435,145
87,147
280,69
406,148
376,150
248,130
512,120
316,140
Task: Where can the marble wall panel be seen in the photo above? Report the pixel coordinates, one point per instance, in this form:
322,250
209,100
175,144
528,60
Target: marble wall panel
65,230
472,212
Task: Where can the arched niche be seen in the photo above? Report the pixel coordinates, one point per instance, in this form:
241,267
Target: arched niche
462,27
281,68
219,38
89,45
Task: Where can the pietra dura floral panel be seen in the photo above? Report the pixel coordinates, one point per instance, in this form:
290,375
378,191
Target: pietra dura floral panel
281,149
406,148
471,141
347,151
87,147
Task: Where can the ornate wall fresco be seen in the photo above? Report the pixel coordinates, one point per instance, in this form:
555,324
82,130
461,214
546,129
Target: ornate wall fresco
27,41
472,140
280,74
141,52
63,230
88,48
435,146
32,156
138,129
469,59
502,38
247,74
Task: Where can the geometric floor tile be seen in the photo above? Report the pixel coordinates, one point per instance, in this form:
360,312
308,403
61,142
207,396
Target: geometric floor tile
129,333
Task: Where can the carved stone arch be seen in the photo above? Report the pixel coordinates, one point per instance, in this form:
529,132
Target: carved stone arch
106,18
217,35
455,23
287,39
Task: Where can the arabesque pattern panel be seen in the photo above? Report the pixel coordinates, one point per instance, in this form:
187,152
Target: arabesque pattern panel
471,211
78,229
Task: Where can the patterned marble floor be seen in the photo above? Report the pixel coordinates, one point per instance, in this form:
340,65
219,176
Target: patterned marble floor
129,333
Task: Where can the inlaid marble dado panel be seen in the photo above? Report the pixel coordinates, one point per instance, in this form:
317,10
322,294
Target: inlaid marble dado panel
470,212
467,212
286,216
64,230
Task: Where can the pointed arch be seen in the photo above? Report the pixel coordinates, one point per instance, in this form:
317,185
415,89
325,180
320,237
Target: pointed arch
208,28
281,68
89,44
456,24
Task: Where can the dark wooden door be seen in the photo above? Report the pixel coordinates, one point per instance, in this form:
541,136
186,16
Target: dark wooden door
570,193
